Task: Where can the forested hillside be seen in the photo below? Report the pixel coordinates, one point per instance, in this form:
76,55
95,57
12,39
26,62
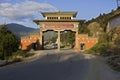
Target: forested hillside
100,22
97,27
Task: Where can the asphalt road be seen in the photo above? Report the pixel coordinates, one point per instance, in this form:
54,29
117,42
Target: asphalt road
64,65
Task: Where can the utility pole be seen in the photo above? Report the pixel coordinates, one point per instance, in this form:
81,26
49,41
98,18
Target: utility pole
118,3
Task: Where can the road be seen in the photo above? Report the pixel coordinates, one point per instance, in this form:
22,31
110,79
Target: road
63,65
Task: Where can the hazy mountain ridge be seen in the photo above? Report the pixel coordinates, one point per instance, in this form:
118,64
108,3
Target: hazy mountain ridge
21,30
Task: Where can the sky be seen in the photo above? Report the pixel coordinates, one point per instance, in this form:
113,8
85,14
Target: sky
25,11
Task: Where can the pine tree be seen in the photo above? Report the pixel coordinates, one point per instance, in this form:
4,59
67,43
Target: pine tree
8,42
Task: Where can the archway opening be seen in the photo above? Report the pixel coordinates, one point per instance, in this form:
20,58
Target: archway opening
34,45
67,39
82,46
50,39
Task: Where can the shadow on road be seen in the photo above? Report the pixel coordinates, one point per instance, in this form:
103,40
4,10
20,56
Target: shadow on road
57,66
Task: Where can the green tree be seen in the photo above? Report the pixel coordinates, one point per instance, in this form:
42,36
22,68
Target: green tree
8,42
83,29
54,39
68,38
94,29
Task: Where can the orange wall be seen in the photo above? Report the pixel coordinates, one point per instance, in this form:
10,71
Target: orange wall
88,41
26,42
82,38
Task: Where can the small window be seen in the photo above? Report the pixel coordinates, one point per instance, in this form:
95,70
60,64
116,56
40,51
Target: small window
65,17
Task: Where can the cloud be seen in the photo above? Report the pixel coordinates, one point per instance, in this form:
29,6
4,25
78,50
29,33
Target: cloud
23,10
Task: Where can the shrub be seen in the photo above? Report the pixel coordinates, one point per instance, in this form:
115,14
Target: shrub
17,56
101,49
20,52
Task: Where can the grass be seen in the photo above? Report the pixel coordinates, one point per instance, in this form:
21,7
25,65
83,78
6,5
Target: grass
18,56
103,49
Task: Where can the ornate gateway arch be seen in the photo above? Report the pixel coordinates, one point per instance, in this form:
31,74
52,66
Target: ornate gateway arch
58,21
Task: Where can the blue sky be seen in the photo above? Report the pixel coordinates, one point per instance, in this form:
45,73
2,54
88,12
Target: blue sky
24,11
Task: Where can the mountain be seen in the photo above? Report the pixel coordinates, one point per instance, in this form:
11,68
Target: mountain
17,28
21,30
50,35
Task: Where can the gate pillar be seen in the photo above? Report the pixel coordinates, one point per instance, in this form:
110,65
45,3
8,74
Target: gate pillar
58,40
76,40
41,39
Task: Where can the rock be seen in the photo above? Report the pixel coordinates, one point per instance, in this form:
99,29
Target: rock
3,62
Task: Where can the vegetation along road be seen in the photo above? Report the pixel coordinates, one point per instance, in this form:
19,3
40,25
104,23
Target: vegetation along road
63,65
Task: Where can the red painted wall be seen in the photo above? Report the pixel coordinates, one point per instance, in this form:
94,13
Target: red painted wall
88,41
26,42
